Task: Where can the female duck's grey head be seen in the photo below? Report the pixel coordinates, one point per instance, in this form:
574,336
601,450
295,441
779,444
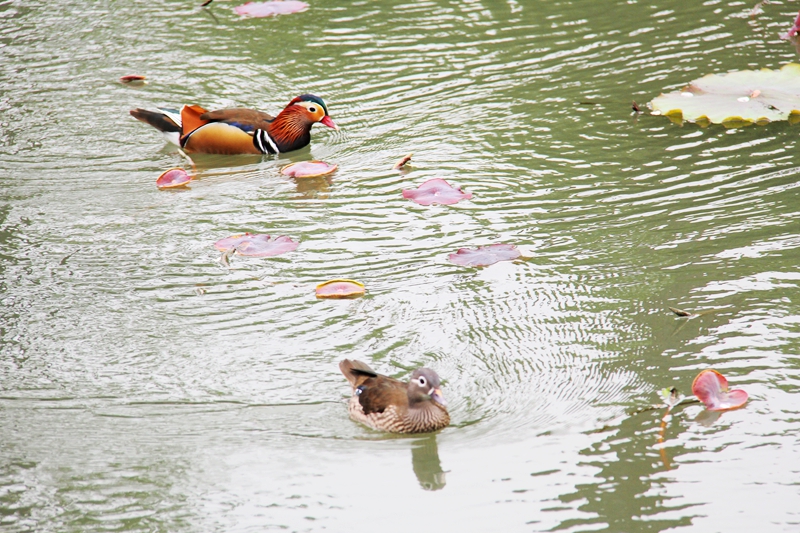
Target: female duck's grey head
425,384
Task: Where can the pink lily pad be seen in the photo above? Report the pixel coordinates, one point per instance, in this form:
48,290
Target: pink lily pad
174,177
711,388
485,255
340,288
257,245
308,169
270,9
436,191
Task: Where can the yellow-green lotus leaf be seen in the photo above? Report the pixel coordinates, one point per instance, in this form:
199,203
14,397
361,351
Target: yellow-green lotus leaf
736,99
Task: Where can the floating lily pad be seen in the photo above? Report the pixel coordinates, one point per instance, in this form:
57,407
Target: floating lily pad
736,99
485,255
174,177
256,245
436,191
270,9
308,169
711,388
340,288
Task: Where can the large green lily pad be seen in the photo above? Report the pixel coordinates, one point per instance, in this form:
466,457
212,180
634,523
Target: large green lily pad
736,99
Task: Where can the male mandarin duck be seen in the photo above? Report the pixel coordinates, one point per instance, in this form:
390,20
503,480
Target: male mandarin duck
240,130
387,404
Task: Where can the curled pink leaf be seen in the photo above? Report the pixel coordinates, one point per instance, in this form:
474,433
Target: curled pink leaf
270,9
436,191
174,177
256,245
793,30
711,388
485,255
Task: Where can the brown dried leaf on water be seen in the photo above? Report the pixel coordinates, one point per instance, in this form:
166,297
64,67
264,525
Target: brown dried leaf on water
680,312
133,79
635,107
402,161
204,4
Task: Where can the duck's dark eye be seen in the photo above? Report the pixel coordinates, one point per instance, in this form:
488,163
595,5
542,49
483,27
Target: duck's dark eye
312,109
421,381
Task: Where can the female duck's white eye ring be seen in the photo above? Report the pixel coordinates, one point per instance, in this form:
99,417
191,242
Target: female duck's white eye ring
421,381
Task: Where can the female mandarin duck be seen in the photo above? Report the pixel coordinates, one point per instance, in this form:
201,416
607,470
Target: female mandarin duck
387,404
239,130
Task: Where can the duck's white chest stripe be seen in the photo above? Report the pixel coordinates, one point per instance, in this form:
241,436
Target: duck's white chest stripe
265,143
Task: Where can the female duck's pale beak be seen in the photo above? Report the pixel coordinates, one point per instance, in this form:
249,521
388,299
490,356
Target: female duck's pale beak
437,396
328,121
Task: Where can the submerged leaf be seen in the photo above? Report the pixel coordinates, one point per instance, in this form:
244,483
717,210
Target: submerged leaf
256,245
269,9
485,255
680,312
711,388
736,99
436,191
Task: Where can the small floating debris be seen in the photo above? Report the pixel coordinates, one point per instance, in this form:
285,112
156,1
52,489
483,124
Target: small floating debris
172,178
402,161
133,79
436,191
711,388
340,288
260,245
308,169
485,255
680,312
270,9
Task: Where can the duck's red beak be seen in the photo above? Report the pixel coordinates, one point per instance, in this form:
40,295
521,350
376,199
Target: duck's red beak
328,121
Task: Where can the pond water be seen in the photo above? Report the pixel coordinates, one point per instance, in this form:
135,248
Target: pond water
146,386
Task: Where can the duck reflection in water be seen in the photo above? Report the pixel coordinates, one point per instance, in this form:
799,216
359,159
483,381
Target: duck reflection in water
416,406
426,463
